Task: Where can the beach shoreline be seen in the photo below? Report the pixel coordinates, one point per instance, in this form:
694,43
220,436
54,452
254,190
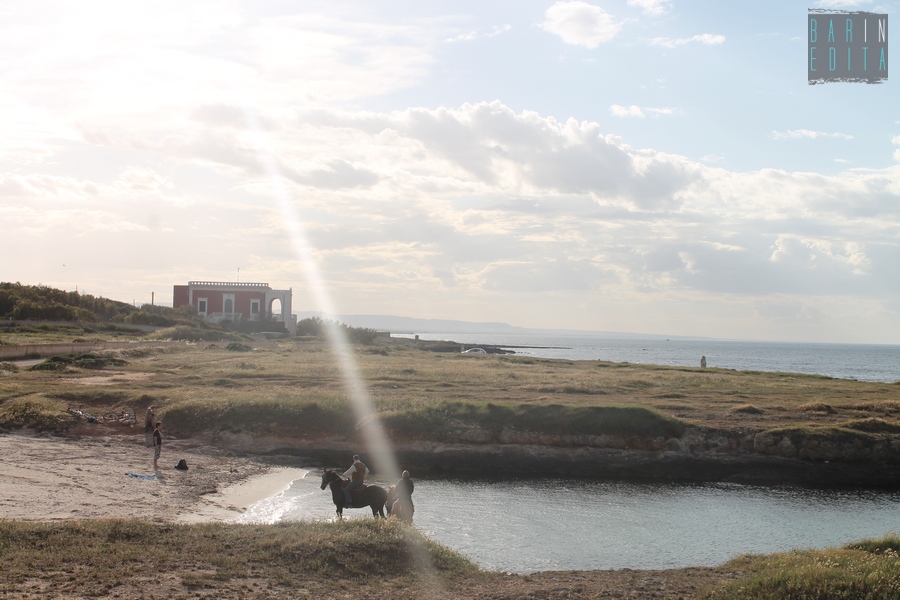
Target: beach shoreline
46,478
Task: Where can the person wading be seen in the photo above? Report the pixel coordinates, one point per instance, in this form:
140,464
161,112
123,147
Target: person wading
357,474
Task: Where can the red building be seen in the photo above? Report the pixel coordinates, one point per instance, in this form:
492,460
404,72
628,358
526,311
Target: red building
235,301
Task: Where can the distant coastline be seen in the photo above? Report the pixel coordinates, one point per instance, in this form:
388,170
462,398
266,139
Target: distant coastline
863,362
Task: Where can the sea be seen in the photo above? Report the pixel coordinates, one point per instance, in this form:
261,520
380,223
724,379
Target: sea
863,362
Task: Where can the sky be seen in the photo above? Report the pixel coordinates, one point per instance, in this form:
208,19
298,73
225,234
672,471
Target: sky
646,166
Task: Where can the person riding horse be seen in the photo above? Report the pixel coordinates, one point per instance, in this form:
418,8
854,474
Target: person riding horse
357,474
372,496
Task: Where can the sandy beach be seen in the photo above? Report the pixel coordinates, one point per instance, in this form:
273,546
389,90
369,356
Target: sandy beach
52,479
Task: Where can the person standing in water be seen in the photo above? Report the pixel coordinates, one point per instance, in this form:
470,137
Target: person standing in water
404,489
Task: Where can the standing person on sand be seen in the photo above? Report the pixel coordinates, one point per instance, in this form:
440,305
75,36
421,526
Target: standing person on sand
149,425
157,444
357,474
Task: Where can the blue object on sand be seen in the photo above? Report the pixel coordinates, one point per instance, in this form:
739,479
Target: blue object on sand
141,476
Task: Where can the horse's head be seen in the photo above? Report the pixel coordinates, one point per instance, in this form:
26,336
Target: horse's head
327,477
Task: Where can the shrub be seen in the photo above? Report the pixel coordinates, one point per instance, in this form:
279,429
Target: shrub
36,412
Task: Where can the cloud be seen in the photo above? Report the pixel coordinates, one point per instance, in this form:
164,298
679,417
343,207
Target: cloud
839,3
474,35
651,7
580,24
337,173
707,39
639,111
800,134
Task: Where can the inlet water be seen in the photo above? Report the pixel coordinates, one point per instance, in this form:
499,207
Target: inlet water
527,526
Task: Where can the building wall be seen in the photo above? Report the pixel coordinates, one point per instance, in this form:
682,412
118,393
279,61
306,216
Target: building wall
181,296
189,295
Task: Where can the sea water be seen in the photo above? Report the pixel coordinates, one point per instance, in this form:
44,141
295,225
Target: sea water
864,362
527,526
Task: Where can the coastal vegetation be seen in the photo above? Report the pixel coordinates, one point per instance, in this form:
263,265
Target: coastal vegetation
370,558
286,386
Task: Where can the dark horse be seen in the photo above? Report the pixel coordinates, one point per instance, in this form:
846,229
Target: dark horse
370,495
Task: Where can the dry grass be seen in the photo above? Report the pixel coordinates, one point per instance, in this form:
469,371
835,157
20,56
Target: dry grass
289,375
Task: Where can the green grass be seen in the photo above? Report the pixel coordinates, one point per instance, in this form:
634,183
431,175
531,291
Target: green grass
868,570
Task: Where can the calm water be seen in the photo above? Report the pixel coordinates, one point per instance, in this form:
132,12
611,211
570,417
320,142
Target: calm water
845,361
528,526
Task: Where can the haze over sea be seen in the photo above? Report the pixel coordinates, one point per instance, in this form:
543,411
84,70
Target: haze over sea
864,362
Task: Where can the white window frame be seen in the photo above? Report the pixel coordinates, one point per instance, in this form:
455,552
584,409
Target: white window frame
205,303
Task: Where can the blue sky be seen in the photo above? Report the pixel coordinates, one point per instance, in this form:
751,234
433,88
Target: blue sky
651,166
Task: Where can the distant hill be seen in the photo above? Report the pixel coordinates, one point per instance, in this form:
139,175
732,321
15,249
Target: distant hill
396,324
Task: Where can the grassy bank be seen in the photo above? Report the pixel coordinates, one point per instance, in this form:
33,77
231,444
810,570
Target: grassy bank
127,559
864,570
372,558
293,387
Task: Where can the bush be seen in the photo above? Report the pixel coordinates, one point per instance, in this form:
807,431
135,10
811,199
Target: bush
196,334
318,327
38,413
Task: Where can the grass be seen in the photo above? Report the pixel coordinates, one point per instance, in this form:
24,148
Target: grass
554,419
109,557
290,386
864,570
372,558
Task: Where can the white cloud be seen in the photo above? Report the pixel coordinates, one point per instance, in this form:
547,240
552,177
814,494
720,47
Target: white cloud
474,35
580,24
895,139
651,7
639,111
799,134
839,3
707,39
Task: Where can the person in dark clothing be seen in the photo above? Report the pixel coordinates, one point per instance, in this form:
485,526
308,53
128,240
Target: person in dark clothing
157,444
404,489
149,425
